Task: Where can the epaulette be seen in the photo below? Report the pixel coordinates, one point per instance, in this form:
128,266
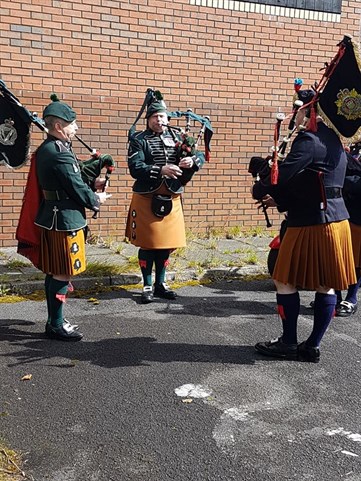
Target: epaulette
61,147
137,134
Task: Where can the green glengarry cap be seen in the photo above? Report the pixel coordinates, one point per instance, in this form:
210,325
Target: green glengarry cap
59,109
157,104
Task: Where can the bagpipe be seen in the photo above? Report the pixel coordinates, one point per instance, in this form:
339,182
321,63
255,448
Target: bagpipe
186,144
15,122
260,168
336,98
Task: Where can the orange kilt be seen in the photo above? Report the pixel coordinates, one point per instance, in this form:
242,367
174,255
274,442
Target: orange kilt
62,253
316,256
356,243
148,231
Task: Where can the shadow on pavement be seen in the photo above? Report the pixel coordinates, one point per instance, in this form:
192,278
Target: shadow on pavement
112,353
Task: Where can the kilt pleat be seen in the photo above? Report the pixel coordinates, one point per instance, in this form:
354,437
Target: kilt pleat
356,243
62,253
316,256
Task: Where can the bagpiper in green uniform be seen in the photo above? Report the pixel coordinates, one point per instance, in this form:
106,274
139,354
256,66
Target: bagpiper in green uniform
155,220
61,215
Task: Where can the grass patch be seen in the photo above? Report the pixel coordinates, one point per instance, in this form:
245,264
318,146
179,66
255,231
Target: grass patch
234,263
4,290
215,233
190,235
118,249
196,266
99,269
16,264
256,231
10,464
180,252
132,265
212,244
251,259
211,262
233,232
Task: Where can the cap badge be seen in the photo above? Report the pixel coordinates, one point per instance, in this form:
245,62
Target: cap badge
8,134
349,104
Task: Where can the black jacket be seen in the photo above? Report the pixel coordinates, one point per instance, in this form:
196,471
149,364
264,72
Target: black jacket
352,189
310,179
148,153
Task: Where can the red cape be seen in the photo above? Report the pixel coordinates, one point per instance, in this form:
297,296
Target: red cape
27,233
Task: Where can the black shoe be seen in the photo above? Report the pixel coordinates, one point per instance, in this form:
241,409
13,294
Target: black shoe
63,333
277,348
66,324
345,309
164,291
147,295
308,353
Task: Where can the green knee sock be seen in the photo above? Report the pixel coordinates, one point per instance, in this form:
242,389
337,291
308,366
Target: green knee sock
161,264
57,295
48,279
146,260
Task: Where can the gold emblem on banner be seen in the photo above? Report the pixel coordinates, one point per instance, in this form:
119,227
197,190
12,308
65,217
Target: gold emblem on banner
349,104
8,134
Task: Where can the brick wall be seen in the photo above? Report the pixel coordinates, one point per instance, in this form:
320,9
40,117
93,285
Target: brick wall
101,55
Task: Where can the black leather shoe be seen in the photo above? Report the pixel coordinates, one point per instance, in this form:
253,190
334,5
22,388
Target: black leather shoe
308,353
67,325
277,348
147,295
63,333
164,291
345,309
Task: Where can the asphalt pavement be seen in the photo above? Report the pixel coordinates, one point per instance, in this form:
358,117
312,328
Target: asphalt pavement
174,390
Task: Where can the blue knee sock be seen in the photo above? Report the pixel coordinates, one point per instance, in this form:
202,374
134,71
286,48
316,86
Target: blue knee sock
288,308
352,291
338,296
323,312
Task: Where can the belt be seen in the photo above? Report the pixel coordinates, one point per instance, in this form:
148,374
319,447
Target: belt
55,195
333,192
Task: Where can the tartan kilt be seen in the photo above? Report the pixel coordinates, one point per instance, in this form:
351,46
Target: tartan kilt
356,243
316,256
62,253
146,230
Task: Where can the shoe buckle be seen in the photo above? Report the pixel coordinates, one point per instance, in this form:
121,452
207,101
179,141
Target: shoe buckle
68,328
275,340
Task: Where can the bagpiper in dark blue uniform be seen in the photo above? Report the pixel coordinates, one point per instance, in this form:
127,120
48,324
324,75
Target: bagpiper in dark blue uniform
352,194
316,252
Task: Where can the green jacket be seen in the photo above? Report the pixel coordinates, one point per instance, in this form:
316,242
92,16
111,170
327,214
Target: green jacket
148,153
59,176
